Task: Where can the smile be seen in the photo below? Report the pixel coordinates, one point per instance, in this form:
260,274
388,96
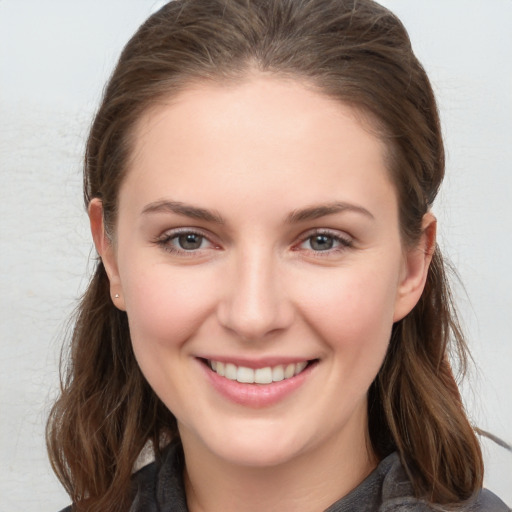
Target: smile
265,375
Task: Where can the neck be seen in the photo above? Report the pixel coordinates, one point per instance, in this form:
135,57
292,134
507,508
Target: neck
312,481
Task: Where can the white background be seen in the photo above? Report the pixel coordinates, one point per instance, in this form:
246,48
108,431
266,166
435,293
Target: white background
55,56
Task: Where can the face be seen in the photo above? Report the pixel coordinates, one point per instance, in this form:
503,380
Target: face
258,257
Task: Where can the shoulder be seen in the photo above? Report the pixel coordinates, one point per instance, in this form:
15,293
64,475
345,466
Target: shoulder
159,485
397,491
398,494
489,502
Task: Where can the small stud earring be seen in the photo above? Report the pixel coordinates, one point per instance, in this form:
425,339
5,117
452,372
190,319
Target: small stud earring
116,296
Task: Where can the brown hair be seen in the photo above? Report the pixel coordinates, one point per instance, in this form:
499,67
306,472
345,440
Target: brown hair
352,50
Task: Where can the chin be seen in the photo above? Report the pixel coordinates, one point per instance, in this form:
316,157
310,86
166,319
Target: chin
257,446
256,455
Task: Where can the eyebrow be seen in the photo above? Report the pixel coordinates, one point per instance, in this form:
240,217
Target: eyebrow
302,215
318,211
186,210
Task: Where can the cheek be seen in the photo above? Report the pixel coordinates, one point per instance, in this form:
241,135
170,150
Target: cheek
166,305
165,309
353,311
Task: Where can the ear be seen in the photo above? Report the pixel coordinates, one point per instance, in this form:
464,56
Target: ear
106,251
415,268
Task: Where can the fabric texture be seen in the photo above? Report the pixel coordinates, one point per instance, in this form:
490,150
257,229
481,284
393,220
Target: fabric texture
159,487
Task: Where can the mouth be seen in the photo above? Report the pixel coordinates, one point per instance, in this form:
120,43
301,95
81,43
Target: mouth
264,375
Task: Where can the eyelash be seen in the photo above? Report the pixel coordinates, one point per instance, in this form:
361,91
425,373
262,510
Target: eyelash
165,240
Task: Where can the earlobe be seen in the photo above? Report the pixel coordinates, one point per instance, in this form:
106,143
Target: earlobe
416,264
106,251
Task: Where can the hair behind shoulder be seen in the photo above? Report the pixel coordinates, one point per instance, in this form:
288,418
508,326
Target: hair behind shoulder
359,53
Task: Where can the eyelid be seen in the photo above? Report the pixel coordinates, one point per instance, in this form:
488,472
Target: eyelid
172,232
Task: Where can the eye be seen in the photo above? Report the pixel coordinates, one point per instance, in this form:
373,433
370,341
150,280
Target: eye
324,241
184,242
321,242
188,241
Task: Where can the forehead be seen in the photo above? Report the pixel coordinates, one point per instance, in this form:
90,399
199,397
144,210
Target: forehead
264,129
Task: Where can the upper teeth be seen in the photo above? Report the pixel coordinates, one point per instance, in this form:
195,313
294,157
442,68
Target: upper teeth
264,375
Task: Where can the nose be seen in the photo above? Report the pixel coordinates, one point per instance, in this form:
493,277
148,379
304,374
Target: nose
254,304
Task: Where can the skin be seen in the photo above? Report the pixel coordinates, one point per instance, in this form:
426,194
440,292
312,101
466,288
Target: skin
259,287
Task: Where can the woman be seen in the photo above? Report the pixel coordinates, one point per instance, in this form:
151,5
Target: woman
270,310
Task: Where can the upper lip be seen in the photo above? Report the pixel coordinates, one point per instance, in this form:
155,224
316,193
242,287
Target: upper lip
256,363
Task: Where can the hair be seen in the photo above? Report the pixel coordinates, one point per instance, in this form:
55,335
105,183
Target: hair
359,53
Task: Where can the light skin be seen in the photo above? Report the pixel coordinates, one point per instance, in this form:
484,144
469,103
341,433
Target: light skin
258,226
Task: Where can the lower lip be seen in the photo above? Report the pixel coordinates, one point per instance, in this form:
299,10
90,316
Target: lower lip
256,395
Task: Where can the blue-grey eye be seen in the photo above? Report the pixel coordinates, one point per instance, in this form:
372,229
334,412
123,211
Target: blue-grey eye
190,241
321,242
